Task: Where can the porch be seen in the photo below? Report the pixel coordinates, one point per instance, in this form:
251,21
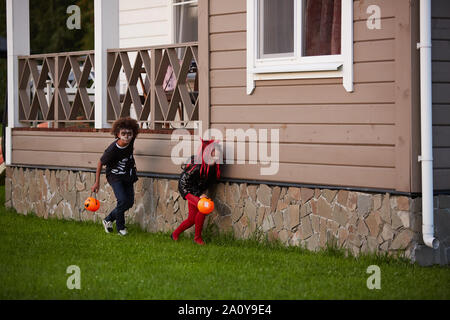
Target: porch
151,84
57,95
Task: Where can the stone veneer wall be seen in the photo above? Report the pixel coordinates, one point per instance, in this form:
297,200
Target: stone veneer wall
360,222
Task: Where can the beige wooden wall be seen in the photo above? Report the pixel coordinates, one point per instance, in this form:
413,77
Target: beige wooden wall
84,149
441,92
365,139
328,136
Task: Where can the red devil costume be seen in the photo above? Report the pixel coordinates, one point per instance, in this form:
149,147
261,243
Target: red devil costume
197,176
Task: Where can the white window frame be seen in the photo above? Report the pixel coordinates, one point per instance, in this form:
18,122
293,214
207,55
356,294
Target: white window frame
298,67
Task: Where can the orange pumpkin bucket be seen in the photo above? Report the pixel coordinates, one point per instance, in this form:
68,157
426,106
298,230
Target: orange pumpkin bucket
91,204
205,205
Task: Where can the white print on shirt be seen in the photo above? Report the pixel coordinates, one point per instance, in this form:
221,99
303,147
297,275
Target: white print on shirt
120,168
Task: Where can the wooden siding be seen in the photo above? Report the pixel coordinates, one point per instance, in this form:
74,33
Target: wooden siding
84,149
441,92
416,166
369,138
327,135
144,23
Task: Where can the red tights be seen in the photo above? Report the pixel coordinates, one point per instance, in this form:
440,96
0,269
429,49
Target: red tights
194,217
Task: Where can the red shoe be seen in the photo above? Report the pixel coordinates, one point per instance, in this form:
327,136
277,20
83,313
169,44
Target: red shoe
173,237
199,241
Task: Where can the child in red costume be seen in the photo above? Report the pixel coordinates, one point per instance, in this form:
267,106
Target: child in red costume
198,175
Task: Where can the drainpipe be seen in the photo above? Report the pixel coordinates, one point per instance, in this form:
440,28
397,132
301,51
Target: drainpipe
426,125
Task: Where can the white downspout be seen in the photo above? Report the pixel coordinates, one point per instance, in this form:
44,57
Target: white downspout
426,125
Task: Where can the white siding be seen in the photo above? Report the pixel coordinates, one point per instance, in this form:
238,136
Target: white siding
145,23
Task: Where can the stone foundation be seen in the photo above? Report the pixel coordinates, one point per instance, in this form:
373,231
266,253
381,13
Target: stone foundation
313,218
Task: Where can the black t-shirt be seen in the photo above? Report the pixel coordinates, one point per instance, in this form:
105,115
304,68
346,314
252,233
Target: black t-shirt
119,162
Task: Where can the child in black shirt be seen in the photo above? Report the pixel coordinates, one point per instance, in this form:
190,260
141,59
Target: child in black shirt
120,171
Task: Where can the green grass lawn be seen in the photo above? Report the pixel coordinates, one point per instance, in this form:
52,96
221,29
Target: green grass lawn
35,254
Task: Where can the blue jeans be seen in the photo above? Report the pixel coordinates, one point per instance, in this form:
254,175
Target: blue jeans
124,192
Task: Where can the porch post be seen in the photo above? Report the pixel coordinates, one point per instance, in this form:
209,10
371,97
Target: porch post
203,68
18,43
106,21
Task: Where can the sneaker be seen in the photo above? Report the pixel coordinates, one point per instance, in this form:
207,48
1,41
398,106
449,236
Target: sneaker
108,226
123,232
199,241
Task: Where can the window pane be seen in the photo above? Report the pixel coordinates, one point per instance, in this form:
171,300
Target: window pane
186,22
321,27
276,26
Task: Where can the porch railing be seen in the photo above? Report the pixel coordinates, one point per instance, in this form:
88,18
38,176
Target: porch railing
57,87
161,88
156,85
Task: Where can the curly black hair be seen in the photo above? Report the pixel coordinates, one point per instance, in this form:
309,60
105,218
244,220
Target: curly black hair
125,123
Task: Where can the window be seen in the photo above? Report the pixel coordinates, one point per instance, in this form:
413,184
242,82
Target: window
292,39
185,21
322,27
276,28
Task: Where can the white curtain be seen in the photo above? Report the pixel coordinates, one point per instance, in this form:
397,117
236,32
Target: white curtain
277,26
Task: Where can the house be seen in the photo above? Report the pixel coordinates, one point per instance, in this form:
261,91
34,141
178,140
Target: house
334,91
